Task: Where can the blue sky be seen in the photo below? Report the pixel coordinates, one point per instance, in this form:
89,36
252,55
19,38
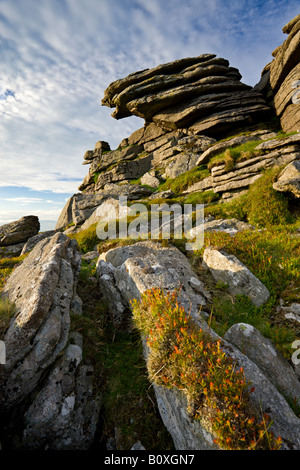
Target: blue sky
58,56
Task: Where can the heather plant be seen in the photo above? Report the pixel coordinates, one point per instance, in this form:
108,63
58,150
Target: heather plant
185,357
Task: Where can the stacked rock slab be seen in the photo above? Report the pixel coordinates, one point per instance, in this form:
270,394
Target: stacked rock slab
186,105
283,74
202,94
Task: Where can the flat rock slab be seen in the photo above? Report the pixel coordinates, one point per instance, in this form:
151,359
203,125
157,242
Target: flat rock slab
231,226
201,93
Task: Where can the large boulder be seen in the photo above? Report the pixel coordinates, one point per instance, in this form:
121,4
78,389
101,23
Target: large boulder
265,355
132,269
282,76
32,241
19,231
42,288
240,280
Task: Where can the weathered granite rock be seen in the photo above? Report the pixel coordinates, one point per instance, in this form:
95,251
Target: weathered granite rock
138,446
42,288
65,412
228,269
275,144
204,185
108,210
117,307
201,93
90,256
292,312
19,231
187,434
289,179
12,250
266,356
126,169
34,240
284,76
81,206
100,147
180,164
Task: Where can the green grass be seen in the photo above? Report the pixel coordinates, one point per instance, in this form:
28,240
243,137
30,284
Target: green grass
261,206
128,401
7,311
184,357
7,308
233,155
183,181
203,197
86,239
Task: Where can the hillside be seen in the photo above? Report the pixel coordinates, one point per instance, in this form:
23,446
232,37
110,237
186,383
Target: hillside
163,312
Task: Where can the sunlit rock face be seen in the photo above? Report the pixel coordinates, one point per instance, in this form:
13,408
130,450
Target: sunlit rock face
281,78
203,94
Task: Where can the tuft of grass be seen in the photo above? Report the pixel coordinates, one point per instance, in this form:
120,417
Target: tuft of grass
86,239
267,207
7,308
203,197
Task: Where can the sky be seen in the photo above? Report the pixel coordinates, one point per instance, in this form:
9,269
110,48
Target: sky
58,56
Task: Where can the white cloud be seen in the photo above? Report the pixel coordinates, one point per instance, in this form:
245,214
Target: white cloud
43,214
58,56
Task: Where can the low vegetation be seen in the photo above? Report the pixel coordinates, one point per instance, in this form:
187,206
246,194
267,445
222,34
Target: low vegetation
181,355
234,155
7,308
187,358
183,181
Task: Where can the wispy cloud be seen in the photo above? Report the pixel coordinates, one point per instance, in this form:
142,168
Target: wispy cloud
58,56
